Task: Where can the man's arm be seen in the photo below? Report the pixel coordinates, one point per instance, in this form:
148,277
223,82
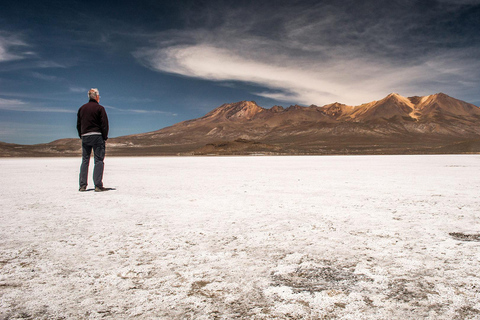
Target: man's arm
104,121
79,124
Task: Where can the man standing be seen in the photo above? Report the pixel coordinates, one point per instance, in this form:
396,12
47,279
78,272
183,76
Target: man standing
92,127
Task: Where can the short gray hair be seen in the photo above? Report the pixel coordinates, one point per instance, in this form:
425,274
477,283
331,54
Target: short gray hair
93,94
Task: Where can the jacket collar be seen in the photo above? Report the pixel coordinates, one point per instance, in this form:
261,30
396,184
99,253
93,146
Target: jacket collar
93,100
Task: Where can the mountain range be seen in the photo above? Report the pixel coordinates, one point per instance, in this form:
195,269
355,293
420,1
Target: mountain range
435,123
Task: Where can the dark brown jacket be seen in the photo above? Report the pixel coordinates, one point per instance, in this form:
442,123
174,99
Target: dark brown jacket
91,117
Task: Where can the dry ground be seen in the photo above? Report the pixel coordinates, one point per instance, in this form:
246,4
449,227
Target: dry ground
359,237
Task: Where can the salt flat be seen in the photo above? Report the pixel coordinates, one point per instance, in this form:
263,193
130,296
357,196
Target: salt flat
364,237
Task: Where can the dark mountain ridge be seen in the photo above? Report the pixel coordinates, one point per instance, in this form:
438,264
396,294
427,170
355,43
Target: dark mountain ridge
394,125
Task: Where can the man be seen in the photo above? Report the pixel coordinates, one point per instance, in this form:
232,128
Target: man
92,127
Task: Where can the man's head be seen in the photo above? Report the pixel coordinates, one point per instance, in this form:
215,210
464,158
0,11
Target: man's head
93,94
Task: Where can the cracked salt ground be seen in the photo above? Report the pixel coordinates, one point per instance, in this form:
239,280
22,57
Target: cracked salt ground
465,237
312,238
319,278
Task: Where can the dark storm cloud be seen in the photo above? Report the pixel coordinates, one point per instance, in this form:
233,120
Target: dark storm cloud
313,52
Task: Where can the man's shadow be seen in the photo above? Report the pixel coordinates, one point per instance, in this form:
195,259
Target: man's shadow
106,189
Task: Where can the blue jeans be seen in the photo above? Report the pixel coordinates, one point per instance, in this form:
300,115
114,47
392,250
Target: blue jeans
96,143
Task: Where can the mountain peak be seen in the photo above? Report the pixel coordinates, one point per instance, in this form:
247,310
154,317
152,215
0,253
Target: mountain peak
397,97
277,109
394,95
441,104
335,104
337,110
244,110
441,94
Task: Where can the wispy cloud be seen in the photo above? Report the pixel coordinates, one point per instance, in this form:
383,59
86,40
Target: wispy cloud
76,89
46,64
140,111
21,106
16,54
321,52
45,77
6,104
9,45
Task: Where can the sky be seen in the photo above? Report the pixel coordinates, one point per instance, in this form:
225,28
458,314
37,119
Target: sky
157,63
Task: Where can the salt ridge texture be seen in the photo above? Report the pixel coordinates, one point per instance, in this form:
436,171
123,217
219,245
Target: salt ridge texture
359,237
